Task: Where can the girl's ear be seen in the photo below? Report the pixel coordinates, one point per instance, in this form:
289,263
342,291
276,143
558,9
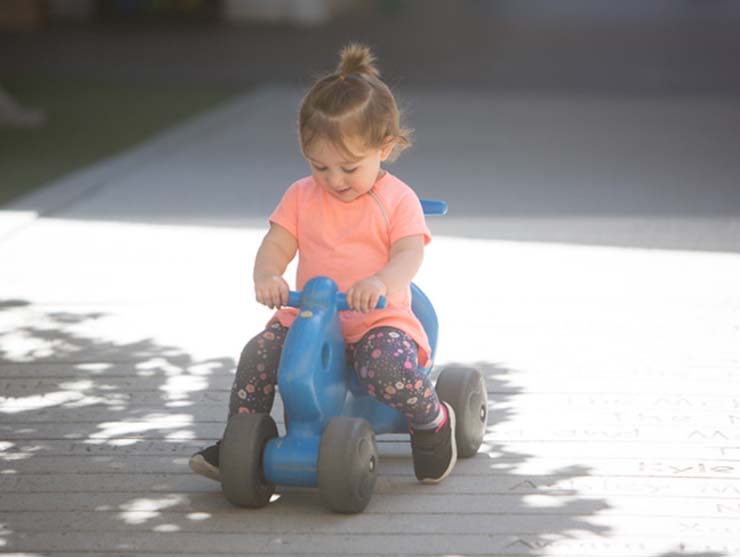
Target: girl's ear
385,151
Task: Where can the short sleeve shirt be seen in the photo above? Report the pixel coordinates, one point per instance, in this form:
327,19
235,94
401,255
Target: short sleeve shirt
351,241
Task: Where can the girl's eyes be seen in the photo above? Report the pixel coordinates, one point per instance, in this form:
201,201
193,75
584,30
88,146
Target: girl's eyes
345,170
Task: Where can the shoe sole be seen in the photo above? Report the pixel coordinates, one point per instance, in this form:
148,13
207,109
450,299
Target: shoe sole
453,460
200,465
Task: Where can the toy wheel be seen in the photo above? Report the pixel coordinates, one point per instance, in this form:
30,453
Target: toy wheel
348,464
240,460
464,389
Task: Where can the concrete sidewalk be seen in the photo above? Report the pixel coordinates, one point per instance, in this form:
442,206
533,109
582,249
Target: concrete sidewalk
600,237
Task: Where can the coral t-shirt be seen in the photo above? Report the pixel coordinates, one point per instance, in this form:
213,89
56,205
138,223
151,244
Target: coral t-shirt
352,241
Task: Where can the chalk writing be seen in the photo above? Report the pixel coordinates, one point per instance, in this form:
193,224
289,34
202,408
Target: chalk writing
683,469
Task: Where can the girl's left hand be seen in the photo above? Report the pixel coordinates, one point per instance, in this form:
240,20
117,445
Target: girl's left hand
363,295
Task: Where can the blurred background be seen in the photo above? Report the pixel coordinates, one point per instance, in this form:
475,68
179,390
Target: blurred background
620,117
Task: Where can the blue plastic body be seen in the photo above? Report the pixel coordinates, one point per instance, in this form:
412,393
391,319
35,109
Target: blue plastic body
316,384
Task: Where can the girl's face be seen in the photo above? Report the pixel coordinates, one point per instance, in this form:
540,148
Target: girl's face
346,179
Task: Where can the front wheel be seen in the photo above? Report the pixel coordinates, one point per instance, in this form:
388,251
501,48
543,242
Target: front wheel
464,389
348,464
240,460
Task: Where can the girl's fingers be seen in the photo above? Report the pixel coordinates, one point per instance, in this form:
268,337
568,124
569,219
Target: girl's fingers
282,291
276,298
268,298
365,301
362,300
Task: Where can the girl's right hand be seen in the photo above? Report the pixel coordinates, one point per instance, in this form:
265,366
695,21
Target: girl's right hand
271,290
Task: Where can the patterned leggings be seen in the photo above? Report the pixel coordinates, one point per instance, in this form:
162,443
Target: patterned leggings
385,360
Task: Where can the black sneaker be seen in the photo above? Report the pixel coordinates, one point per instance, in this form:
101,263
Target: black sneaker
435,450
205,462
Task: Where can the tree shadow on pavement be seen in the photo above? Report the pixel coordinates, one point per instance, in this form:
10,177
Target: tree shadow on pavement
96,434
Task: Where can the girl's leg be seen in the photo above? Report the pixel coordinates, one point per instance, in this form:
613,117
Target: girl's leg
256,374
253,389
386,361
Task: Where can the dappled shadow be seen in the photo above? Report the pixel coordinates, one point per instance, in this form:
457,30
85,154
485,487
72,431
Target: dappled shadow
96,434
537,510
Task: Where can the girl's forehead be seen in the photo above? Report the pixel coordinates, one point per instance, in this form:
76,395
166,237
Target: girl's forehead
350,152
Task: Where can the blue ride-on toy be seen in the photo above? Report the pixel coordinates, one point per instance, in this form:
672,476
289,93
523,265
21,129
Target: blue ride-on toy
331,423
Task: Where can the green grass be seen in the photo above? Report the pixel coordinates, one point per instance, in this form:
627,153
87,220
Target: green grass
89,120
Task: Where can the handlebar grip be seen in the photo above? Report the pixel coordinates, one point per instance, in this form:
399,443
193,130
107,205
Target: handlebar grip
342,302
294,301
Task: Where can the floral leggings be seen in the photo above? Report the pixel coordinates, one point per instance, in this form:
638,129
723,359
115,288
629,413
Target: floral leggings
385,360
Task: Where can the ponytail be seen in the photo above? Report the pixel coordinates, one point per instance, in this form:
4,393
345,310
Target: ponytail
357,59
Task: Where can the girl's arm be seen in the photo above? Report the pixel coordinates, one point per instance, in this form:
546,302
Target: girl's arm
406,257
277,250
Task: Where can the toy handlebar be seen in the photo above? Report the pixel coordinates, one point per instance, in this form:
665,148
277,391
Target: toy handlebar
433,207
294,301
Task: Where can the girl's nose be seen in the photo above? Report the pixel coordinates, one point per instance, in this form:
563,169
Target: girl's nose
334,180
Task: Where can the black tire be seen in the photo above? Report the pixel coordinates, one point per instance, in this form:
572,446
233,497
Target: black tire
348,464
240,460
464,389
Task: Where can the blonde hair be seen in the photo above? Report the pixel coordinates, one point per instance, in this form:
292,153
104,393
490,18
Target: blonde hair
352,103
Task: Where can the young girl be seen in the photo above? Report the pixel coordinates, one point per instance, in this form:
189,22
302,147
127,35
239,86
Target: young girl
363,227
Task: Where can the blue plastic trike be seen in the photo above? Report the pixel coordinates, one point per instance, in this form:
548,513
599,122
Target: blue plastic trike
331,423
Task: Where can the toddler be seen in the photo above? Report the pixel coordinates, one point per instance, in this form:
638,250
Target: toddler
355,222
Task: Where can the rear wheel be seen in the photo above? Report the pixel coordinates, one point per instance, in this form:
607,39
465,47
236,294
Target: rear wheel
464,389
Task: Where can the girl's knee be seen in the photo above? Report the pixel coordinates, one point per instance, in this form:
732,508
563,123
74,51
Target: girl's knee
387,348
260,357
385,358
